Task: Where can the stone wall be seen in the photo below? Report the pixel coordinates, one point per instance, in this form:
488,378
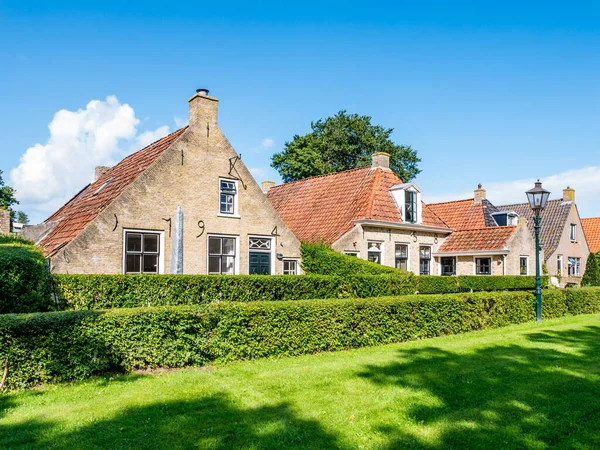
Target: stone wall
4,221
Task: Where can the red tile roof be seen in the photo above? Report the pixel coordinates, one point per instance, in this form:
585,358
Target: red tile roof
465,214
484,239
325,207
85,206
591,228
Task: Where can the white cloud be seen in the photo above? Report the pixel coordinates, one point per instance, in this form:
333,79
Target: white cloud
258,171
585,181
101,134
180,121
148,137
267,143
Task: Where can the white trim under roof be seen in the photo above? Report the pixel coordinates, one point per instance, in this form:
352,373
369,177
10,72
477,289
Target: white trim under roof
405,186
473,253
402,226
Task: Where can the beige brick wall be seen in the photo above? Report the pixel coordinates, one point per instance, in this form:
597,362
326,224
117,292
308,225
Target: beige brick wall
167,184
357,240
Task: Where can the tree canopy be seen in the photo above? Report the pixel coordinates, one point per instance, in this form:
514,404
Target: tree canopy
7,195
341,142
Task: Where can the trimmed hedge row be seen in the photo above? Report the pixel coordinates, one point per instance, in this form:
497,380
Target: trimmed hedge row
432,284
81,292
128,291
73,345
25,283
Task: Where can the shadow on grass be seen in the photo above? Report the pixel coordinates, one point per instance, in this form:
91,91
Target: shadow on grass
209,422
500,397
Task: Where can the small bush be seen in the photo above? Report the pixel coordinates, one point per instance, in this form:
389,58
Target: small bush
73,345
591,277
25,283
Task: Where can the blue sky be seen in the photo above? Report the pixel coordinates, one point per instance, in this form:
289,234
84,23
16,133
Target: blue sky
497,94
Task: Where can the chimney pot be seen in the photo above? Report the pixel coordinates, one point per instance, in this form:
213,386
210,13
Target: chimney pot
99,171
266,185
202,91
479,194
380,159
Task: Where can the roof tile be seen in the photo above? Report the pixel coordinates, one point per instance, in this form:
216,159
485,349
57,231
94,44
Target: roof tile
484,239
591,228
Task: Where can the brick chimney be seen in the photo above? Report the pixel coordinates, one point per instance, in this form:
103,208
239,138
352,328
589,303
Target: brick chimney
380,159
100,170
569,194
4,221
479,194
266,185
203,111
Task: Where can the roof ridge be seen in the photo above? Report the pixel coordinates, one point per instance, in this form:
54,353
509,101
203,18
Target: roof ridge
324,175
450,201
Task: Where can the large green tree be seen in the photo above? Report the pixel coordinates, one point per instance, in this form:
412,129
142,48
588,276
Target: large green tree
7,195
591,277
344,141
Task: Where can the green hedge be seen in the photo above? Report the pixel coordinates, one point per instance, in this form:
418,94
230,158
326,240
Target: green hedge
128,291
321,260
25,283
81,292
72,345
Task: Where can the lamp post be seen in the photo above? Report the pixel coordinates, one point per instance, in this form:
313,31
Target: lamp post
537,197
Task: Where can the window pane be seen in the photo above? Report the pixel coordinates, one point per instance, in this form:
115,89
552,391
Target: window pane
214,246
424,267
448,266
260,243
401,263
401,251
289,267
227,265
227,186
228,246
425,252
150,263
374,257
214,264
132,264
134,242
227,203
151,243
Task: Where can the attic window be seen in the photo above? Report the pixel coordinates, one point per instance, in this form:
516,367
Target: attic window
101,188
505,218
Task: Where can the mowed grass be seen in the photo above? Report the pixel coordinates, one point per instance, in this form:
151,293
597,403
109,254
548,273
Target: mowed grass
529,386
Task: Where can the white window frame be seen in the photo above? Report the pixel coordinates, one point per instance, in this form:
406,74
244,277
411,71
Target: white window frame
407,254
352,253
295,260
573,232
577,272
236,263
161,250
526,264
236,196
430,257
560,264
272,258
381,245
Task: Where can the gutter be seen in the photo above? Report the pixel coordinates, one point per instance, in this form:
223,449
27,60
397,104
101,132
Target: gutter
473,253
403,226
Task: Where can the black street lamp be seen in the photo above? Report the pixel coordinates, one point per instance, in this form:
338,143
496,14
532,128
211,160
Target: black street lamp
537,197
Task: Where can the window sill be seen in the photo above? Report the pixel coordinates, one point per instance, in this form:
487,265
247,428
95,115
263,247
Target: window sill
231,216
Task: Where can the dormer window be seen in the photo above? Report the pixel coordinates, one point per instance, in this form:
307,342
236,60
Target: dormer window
504,218
408,200
410,206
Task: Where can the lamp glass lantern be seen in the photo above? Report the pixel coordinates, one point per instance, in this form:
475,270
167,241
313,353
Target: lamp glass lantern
537,197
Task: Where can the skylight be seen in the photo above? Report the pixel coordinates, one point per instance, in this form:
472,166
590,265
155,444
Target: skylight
101,188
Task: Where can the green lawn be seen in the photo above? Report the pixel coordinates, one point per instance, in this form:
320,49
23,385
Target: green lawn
527,386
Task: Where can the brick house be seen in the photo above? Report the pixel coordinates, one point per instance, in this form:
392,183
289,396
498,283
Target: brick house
371,214
184,204
562,237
